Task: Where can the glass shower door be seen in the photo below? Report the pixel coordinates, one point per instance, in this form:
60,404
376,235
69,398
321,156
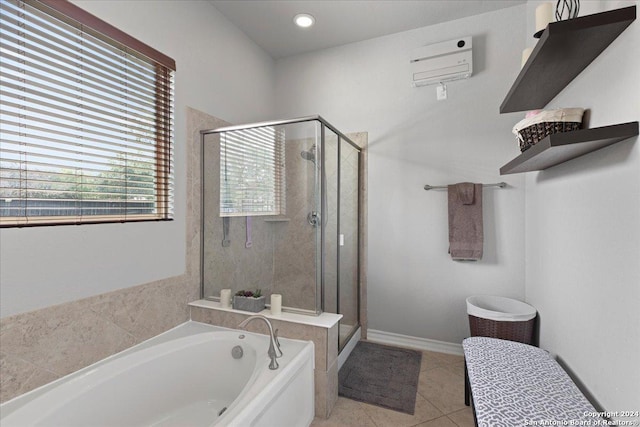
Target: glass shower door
348,254
330,222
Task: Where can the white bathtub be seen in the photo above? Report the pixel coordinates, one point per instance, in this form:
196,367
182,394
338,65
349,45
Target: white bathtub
184,377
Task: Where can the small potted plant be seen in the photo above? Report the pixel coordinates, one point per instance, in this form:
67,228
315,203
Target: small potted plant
249,301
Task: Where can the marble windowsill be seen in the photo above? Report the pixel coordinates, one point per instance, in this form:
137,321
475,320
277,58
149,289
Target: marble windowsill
324,320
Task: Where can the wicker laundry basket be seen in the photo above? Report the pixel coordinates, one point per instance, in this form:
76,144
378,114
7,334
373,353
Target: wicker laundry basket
499,317
534,129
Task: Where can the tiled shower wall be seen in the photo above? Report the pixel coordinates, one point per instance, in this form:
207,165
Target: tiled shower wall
295,241
40,346
235,266
282,257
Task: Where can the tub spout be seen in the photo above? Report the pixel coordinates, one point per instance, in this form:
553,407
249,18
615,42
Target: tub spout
274,348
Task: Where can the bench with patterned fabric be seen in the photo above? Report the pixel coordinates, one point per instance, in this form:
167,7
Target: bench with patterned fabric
514,384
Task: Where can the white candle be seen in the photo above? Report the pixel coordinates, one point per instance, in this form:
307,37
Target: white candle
225,298
544,15
525,55
276,304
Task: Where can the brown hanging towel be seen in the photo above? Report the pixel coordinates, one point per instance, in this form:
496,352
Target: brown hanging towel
465,221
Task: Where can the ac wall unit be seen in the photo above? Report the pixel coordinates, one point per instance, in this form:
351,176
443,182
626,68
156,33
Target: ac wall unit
442,62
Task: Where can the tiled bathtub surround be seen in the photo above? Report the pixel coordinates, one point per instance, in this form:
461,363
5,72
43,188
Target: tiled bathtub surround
41,346
322,330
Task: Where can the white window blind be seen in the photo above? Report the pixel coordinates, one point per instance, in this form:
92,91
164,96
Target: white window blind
252,172
86,119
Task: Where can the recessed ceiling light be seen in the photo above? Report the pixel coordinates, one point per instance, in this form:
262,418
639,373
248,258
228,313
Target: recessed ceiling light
304,20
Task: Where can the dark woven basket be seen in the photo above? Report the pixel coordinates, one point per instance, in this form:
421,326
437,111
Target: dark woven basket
512,331
535,133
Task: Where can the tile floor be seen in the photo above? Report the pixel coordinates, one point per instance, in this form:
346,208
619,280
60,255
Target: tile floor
439,402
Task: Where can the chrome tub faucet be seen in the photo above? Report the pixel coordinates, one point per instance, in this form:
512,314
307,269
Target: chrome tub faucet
274,346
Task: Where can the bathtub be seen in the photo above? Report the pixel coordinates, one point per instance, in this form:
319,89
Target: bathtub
184,377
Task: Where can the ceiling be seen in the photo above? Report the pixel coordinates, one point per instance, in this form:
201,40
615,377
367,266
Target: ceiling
269,23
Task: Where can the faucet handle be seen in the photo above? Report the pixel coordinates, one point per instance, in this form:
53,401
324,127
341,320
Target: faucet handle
278,350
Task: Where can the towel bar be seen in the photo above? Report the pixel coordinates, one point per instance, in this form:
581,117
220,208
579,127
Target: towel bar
497,184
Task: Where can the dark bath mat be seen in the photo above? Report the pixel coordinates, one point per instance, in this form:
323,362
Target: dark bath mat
381,375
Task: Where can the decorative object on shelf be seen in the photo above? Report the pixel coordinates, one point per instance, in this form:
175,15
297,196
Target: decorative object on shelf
544,15
568,8
249,301
532,129
276,304
225,298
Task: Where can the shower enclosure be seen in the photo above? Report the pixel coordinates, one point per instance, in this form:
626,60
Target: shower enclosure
281,211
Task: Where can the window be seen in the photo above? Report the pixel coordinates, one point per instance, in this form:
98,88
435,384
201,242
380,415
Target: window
86,119
252,172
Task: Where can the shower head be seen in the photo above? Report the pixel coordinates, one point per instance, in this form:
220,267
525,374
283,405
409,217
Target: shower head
309,154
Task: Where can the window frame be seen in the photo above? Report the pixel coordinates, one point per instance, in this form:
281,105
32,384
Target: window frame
165,66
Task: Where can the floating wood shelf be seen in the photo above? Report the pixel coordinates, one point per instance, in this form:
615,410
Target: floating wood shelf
560,147
564,50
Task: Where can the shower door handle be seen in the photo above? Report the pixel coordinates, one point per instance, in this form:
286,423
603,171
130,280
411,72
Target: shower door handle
313,218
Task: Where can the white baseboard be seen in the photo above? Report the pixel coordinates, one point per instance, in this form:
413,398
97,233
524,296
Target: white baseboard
417,343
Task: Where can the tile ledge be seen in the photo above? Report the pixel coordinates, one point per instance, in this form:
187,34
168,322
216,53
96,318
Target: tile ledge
324,320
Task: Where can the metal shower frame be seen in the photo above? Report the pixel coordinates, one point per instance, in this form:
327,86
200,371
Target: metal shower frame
320,285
